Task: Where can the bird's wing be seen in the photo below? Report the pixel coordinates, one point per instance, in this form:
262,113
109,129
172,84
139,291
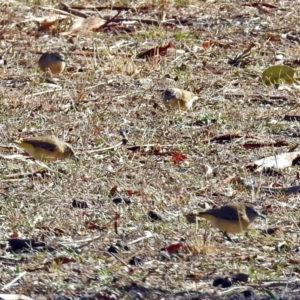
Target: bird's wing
42,144
224,212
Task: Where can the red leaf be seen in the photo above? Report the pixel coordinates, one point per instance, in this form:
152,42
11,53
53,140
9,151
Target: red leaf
92,225
207,44
113,190
273,37
63,260
178,157
15,234
45,25
173,247
130,192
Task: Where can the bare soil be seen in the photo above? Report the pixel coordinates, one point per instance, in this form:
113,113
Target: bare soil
85,243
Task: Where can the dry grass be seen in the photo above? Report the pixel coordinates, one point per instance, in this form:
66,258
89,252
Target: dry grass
110,91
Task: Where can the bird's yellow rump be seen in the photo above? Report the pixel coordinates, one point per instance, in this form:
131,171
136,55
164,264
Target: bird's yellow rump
52,61
46,148
178,98
231,218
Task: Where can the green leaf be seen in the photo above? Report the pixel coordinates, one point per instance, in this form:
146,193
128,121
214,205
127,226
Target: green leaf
278,74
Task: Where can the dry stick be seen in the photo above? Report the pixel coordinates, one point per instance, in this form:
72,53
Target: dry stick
73,12
118,258
20,175
123,142
4,258
147,145
146,21
233,289
56,10
13,281
7,147
270,190
283,191
108,21
264,285
14,297
107,8
148,235
86,241
277,283
105,149
58,89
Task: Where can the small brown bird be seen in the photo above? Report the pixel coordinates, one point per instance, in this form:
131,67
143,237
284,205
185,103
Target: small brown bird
231,218
52,61
46,148
178,98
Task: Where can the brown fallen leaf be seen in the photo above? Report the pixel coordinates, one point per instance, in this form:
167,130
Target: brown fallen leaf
143,6
257,144
273,37
161,51
255,4
293,261
83,53
57,231
46,25
231,179
224,138
93,225
210,43
63,260
85,24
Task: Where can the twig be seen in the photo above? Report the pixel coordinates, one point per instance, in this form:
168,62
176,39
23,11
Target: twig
146,146
13,281
106,149
108,7
22,175
277,283
4,258
270,190
72,11
57,88
148,235
75,243
14,297
233,289
108,21
118,258
7,147
56,10
146,21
